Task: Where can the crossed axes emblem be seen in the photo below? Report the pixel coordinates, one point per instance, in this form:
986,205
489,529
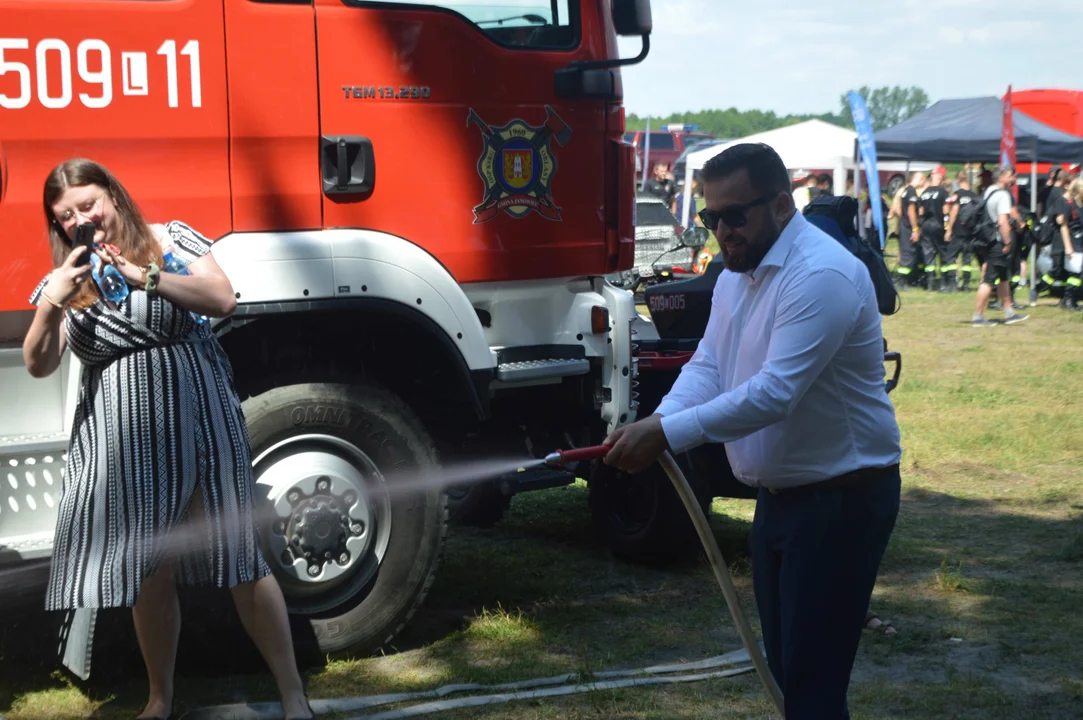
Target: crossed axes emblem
553,127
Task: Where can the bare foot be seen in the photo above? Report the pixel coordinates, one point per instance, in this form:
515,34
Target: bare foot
297,709
156,709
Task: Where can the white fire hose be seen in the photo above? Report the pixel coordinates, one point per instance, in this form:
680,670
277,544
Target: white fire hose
721,573
553,687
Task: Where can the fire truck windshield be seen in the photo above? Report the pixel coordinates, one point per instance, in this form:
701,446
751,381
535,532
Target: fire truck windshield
515,23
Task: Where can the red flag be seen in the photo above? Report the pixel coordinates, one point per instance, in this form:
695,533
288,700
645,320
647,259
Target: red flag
1007,138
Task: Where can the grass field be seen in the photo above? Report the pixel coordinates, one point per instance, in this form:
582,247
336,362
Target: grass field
983,577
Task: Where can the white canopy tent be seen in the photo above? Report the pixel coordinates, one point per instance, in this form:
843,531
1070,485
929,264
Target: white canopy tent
813,144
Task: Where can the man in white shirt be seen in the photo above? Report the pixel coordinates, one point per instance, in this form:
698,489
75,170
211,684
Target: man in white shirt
790,377
998,261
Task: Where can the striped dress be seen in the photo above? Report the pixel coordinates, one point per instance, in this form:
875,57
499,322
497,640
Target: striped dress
157,420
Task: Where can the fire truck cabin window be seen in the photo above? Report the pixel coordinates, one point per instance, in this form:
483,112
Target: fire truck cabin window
530,24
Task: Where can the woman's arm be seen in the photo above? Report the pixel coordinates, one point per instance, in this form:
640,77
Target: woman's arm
45,340
207,291
1065,235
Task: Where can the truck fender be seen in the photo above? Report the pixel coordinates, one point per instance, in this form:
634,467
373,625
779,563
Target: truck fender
346,264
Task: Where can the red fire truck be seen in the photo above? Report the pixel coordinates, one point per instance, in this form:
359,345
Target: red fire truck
1060,109
416,203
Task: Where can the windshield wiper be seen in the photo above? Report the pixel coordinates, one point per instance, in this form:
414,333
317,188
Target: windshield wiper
528,17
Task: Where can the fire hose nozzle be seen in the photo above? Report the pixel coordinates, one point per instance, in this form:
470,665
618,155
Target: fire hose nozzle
559,458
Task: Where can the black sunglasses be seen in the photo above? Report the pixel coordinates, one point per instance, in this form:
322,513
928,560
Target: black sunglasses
734,216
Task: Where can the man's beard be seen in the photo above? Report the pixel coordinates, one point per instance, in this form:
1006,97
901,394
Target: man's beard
754,252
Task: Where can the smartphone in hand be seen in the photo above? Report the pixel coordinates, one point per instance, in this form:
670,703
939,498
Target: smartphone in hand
84,235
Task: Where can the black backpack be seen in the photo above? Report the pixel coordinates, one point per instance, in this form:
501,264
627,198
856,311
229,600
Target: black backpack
966,220
987,235
1046,230
836,215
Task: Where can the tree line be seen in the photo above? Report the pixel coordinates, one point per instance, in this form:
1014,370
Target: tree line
888,106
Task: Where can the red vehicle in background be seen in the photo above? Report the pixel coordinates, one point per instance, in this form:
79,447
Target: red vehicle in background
666,144
1060,109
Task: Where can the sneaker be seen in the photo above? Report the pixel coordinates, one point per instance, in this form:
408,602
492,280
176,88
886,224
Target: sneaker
982,322
1016,318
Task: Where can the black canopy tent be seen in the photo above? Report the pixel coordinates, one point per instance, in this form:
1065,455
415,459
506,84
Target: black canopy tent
968,130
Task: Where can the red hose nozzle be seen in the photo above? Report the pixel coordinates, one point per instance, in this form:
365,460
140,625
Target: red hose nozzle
560,457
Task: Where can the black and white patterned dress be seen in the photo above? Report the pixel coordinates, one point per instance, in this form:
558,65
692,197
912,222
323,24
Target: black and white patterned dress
157,420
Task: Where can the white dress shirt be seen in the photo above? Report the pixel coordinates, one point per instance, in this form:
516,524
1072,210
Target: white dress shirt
790,370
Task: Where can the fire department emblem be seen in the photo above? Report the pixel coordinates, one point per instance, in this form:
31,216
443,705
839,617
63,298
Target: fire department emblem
517,166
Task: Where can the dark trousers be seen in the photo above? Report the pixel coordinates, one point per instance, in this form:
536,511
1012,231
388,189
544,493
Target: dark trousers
933,247
815,555
908,265
1059,278
971,260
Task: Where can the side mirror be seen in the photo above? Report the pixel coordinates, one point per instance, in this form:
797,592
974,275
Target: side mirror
632,17
695,237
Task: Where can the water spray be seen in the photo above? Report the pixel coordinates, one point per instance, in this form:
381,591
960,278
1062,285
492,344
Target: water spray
710,546
557,460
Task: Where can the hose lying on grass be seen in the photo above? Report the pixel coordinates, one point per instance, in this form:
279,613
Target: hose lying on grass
507,692
522,690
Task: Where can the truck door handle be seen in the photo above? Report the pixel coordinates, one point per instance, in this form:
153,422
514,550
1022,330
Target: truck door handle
348,165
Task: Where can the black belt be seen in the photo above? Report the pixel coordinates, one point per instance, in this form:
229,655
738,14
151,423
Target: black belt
839,481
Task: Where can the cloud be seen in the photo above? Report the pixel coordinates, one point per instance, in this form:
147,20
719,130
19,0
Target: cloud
685,18
1017,30
950,35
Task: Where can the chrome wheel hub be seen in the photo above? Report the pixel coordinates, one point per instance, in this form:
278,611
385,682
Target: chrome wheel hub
330,516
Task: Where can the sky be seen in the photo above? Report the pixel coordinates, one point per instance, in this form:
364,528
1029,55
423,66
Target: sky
799,56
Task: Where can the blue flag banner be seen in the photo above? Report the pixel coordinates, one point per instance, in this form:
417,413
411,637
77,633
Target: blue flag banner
867,146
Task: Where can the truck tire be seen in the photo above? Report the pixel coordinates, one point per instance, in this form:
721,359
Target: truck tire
478,505
641,517
325,457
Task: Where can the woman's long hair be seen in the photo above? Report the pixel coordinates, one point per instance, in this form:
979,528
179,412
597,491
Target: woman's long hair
1075,190
133,237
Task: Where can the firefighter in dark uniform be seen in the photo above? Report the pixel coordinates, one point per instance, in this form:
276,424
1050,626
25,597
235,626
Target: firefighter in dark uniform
962,222
933,245
661,185
907,267
1072,203
1065,244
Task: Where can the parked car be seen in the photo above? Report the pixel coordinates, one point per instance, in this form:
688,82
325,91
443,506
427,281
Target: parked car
660,252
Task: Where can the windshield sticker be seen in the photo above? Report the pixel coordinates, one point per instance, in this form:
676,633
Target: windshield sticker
517,166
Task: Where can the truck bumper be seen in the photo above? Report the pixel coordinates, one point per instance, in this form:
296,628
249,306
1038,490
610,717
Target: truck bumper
619,367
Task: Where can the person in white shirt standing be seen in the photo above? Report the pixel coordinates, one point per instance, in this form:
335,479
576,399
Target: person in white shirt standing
999,204
789,376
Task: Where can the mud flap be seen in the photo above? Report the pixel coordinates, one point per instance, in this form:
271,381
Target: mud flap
76,640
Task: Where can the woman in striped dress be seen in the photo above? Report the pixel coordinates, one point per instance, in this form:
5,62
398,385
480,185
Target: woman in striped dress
158,485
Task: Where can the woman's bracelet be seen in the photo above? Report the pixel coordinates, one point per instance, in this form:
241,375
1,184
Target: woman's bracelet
52,302
150,279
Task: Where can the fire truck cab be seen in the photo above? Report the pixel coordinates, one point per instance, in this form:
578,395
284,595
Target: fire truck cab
416,203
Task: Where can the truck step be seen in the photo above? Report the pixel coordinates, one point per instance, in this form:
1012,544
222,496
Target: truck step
541,369
33,443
